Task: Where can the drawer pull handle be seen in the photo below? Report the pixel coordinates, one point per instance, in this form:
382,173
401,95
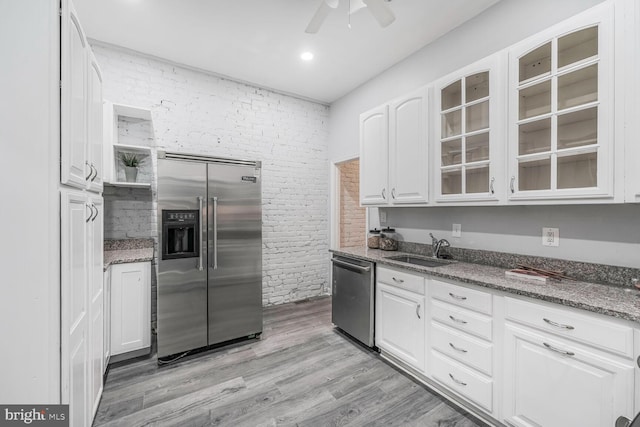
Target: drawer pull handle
458,297
464,322
557,350
418,311
457,381
558,325
397,280
461,350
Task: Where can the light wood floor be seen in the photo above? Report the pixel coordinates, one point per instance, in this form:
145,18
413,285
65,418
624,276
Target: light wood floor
301,373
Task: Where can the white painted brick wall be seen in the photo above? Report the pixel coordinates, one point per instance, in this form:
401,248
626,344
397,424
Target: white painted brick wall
201,113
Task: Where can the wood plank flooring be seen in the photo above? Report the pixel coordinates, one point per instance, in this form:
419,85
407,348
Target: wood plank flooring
302,372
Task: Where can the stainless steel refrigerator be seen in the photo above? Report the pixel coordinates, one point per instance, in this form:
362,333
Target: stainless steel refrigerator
210,251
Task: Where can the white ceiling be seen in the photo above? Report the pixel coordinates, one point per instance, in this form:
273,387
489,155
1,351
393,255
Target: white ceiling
260,41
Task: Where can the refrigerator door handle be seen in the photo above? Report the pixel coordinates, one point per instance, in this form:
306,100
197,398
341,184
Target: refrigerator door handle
200,264
215,233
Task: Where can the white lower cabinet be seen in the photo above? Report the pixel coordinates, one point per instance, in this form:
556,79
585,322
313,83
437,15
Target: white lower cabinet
81,304
563,367
130,307
461,341
400,326
512,361
551,381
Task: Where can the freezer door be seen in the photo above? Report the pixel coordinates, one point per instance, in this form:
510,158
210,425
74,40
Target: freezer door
182,286
235,252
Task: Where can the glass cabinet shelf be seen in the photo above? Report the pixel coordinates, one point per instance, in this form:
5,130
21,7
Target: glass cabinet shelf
465,136
577,46
557,89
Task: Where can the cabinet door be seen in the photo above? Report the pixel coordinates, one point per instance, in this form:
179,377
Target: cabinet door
561,121
96,300
94,123
374,156
130,305
553,382
408,154
400,324
468,138
75,315
74,170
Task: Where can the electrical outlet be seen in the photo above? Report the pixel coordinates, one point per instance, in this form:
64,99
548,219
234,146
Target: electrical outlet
383,217
550,236
456,230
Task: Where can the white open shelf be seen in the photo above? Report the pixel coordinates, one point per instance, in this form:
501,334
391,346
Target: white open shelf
113,149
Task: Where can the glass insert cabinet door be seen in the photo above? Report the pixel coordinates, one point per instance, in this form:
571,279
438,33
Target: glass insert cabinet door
466,108
560,90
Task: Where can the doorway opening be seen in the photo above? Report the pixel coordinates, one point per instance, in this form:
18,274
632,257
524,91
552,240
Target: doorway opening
351,218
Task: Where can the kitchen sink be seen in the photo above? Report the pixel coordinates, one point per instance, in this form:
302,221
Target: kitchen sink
425,262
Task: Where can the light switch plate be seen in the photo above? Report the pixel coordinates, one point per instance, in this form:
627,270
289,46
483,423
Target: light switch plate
550,236
456,231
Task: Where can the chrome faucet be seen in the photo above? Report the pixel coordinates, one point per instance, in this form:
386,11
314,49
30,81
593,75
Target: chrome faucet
438,244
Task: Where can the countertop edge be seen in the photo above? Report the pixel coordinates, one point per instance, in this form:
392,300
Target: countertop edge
594,308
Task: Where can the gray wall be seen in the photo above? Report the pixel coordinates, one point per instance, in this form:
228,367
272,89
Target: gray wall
606,234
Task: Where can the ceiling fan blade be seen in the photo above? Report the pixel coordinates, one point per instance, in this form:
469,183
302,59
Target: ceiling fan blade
322,12
380,11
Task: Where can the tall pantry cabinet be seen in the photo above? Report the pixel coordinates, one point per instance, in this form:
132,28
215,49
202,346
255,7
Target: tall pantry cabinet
51,310
82,293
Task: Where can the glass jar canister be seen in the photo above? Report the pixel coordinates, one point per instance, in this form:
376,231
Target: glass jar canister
373,239
388,239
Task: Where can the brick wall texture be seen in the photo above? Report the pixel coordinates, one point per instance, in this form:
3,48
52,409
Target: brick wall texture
196,112
352,216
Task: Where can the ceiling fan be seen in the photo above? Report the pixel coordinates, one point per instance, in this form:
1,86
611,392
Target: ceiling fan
380,11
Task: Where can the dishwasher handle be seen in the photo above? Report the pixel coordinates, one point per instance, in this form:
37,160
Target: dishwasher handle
352,266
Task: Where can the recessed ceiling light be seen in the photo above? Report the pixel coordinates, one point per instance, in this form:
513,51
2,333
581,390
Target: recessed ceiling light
307,56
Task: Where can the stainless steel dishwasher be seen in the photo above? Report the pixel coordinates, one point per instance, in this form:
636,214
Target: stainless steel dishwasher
353,297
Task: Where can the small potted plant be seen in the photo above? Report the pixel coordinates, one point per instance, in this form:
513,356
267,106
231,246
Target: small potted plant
131,162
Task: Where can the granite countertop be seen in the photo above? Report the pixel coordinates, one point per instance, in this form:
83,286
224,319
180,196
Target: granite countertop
127,251
620,302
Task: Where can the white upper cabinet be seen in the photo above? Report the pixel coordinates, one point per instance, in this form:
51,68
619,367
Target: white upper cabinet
81,112
74,169
468,137
630,73
394,152
561,111
374,155
408,149
94,123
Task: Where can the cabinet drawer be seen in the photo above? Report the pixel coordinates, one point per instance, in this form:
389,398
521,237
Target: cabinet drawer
461,296
580,327
463,380
462,319
400,279
470,351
